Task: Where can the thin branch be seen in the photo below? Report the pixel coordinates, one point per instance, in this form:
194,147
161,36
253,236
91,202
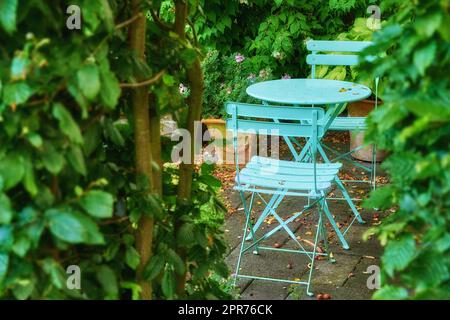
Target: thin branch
144,83
161,24
129,21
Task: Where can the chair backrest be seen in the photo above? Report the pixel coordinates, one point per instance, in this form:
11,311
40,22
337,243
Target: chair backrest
248,118
268,120
324,53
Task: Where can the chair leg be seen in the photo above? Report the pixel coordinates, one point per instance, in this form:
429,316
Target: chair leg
341,186
324,236
324,206
374,166
313,258
349,200
273,203
248,224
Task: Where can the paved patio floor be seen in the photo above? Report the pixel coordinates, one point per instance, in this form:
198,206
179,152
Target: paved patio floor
344,279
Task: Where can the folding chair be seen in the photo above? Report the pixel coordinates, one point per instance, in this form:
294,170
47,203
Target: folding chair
352,124
268,176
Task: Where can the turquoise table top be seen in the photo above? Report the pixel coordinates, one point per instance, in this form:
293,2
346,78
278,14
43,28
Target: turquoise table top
308,91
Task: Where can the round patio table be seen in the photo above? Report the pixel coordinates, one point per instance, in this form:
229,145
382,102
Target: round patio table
308,91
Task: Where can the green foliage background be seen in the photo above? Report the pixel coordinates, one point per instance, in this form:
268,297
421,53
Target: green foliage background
414,126
68,188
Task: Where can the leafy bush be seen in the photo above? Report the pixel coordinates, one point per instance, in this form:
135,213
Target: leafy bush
414,125
226,79
272,42
69,190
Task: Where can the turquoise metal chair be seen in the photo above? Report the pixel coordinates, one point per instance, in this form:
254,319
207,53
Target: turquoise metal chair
325,53
268,176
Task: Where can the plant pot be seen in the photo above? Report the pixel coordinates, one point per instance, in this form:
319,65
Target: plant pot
223,152
362,109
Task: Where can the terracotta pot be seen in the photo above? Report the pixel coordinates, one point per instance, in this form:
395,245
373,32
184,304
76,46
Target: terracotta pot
362,109
217,130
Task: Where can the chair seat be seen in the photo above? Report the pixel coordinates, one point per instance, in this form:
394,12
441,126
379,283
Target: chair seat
275,174
348,123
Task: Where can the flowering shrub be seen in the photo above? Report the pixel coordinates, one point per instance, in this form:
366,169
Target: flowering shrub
226,78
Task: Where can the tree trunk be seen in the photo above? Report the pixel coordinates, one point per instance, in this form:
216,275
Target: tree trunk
195,100
144,234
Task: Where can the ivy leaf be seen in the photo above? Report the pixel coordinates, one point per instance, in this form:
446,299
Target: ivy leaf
8,15
132,257
98,203
12,170
108,280
89,81
398,254
154,267
67,124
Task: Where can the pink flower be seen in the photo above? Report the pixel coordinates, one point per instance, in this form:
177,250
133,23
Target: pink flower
239,58
286,77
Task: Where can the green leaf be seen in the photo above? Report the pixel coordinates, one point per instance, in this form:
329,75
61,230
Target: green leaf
67,124
35,139
8,15
380,198
154,267
29,180
186,235
4,263
423,57
12,170
21,246
98,203
108,280
398,254
89,81
391,293
168,284
76,160
16,93
66,226
6,238
73,227
210,181
53,160
6,211
132,257
110,89
55,272
174,259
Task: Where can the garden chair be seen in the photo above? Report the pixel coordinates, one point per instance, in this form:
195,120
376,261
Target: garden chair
324,53
268,176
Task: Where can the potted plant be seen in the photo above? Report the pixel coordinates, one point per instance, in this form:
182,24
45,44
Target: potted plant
361,30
